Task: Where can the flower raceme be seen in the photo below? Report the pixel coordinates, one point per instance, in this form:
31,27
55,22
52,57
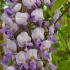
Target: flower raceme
31,47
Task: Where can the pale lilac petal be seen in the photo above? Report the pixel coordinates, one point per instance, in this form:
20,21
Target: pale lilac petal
53,67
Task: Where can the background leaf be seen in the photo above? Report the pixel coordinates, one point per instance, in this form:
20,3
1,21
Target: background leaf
57,4
64,65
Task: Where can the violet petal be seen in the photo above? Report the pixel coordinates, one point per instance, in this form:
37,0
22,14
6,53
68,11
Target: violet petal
33,65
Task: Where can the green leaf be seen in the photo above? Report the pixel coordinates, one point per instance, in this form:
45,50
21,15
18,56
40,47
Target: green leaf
55,58
62,39
11,62
64,65
57,4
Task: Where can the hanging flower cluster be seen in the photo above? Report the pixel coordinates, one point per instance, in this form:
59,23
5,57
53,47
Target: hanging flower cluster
25,36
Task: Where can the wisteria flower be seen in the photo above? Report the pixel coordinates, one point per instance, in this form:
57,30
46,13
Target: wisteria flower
32,54
53,39
21,58
44,23
33,65
47,2
7,32
50,59
17,7
24,66
6,58
10,46
37,3
40,64
9,23
11,68
47,44
57,25
28,3
23,38
12,1
29,45
29,30
47,56
9,11
52,3
57,14
51,30
13,27
21,18
38,14
6,18
52,66
38,33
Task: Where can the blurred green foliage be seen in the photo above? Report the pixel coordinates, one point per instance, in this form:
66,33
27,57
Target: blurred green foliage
57,5
62,56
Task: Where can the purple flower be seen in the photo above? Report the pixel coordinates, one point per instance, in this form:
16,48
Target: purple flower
47,55
38,43
9,11
29,45
57,25
33,65
8,55
5,61
21,57
32,54
53,39
23,38
52,66
28,3
51,30
24,67
38,13
41,47
43,23
52,49
10,68
21,18
57,14
47,2
52,3
12,1
38,34
32,18
37,3
7,31
7,58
